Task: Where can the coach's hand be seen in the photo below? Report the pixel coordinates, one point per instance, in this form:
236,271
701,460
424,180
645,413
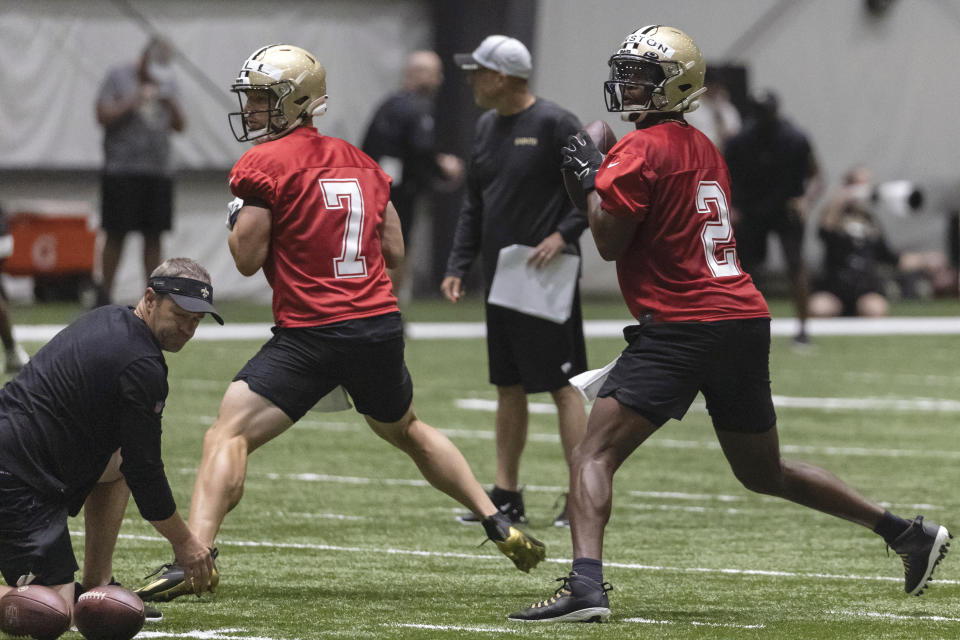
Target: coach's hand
452,288
548,248
233,210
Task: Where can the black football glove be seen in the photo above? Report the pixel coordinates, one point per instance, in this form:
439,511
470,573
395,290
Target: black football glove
233,210
582,158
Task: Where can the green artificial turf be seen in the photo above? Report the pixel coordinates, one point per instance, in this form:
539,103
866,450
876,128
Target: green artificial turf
338,536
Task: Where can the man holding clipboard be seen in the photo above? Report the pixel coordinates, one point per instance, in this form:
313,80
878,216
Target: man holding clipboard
515,196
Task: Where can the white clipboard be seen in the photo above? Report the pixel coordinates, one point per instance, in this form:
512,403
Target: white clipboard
545,293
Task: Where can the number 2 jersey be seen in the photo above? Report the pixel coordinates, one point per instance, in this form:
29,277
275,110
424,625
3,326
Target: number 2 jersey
327,199
681,264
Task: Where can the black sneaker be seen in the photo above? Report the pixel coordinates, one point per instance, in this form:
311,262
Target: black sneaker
169,584
579,599
561,520
922,546
150,614
512,508
524,550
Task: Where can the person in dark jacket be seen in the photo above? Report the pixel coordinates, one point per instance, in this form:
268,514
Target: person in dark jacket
80,428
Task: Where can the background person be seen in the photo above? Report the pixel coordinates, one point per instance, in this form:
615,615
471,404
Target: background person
138,109
855,250
402,138
775,179
515,195
658,206
15,356
316,217
80,427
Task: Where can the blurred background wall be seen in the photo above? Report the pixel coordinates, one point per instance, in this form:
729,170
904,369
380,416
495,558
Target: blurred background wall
870,81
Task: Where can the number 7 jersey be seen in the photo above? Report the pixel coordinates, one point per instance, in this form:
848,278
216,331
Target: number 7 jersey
681,264
327,200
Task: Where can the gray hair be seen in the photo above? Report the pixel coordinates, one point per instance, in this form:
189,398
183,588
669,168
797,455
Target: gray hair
183,268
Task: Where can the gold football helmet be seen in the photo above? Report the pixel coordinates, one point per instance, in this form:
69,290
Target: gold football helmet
657,68
280,87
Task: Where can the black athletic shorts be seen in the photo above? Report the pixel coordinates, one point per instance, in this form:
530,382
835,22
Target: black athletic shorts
539,354
752,231
33,536
297,367
131,202
659,374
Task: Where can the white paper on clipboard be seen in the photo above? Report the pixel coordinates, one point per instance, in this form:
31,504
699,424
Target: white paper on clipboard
545,293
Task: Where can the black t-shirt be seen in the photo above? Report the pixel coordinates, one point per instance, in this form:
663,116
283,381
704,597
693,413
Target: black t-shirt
515,192
403,128
767,167
98,386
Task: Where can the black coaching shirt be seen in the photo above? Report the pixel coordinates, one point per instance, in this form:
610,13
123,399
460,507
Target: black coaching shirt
98,386
403,128
515,193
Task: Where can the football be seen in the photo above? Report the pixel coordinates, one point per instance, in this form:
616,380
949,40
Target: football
602,136
108,613
34,611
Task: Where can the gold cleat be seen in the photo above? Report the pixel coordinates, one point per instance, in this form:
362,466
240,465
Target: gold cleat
170,583
524,550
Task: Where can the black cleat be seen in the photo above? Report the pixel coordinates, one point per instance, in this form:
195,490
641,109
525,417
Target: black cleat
524,550
512,508
922,546
169,584
579,599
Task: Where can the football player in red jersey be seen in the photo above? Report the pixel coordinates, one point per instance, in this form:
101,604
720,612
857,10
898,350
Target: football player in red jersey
316,217
658,205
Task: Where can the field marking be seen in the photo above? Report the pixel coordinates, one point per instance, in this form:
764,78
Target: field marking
784,402
307,546
213,634
944,325
695,623
892,616
449,627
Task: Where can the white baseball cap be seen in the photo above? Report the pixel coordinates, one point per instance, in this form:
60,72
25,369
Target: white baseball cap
503,54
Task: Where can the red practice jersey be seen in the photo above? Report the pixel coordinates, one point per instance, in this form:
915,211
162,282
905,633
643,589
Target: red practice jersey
327,199
681,264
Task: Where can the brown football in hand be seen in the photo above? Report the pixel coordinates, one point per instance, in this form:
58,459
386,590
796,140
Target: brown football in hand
108,613
34,611
602,136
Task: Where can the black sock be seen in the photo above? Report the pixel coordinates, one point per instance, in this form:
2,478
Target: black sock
496,526
501,496
590,568
890,527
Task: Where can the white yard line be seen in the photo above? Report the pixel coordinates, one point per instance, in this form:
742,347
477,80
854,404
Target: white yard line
695,623
592,329
450,627
565,562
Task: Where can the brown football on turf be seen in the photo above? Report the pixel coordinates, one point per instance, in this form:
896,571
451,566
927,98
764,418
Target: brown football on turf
34,611
602,136
108,613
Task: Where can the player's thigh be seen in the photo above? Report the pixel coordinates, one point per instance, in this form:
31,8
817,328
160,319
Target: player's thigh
247,414
613,432
112,470
378,381
291,372
736,379
34,539
658,375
